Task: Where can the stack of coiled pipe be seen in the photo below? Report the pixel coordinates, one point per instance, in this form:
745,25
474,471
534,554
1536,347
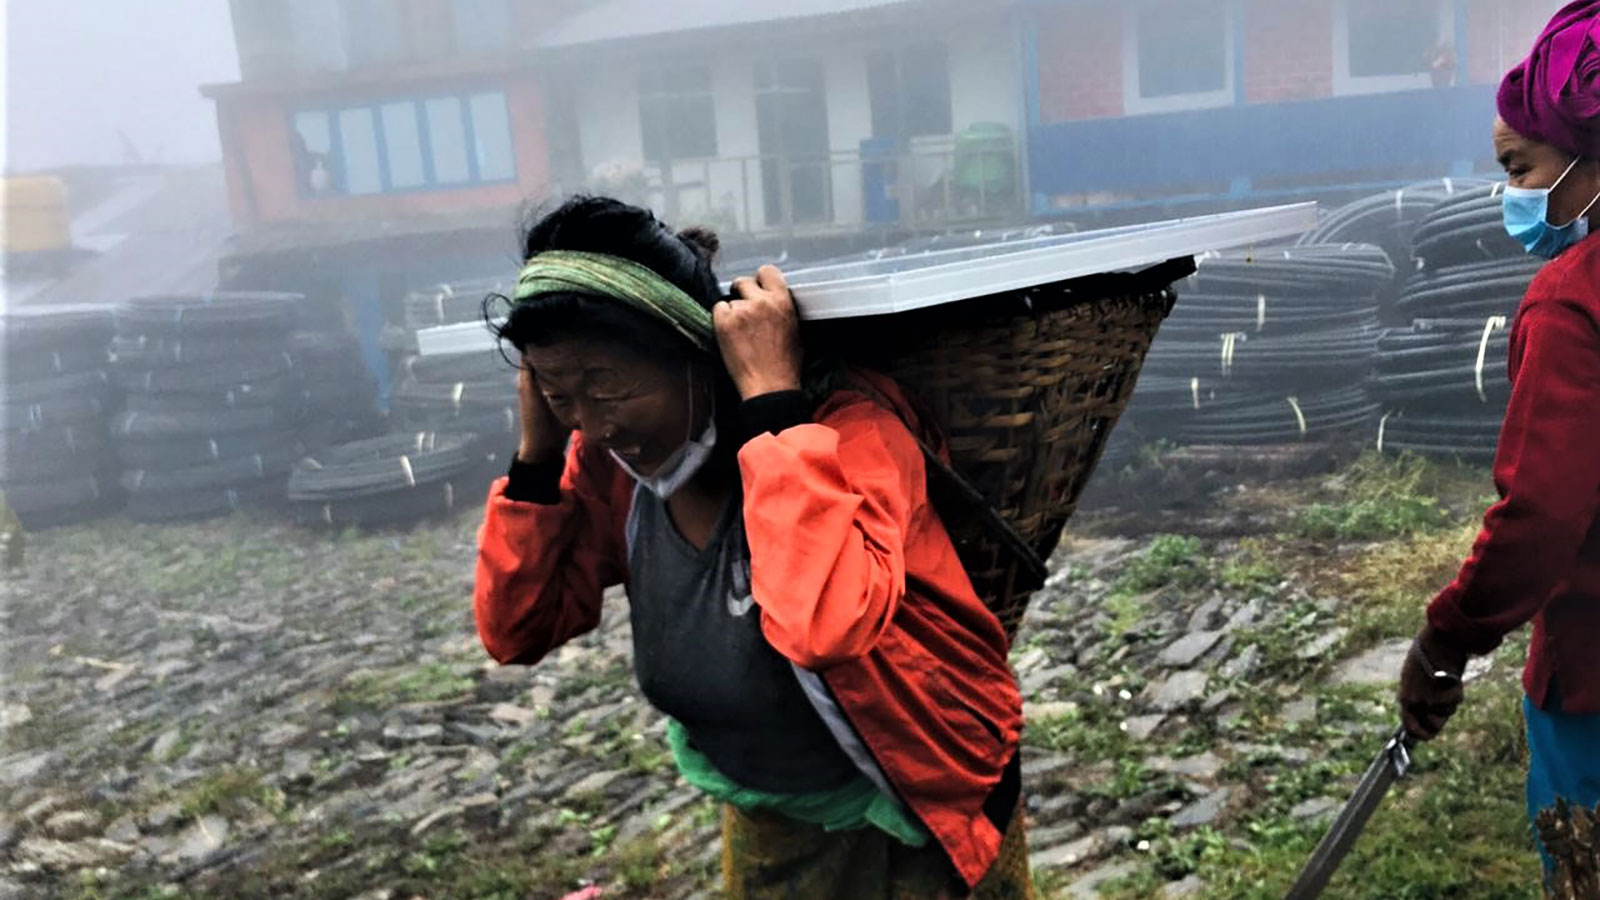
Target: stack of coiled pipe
1267,347
387,481
211,399
1442,378
56,465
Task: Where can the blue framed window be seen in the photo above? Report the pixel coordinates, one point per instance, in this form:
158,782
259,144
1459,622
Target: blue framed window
1183,48
1393,37
491,137
1178,55
404,145
447,136
402,141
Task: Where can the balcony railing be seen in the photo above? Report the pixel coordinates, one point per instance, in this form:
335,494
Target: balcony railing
930,186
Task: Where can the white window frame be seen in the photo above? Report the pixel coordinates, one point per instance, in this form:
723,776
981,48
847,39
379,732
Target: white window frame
1133,100
1345,84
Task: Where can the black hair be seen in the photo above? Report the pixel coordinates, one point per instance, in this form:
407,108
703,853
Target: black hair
604,225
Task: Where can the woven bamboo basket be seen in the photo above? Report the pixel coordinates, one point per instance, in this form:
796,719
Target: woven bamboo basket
1026,387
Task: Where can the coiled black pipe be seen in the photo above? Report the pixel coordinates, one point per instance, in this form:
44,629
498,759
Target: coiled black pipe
390,464
221,314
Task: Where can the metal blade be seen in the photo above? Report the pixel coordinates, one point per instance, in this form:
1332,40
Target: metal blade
1391,764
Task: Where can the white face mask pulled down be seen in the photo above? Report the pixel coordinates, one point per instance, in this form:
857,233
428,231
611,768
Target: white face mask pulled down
685,462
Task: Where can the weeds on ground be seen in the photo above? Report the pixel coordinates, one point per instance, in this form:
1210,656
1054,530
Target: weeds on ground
1382,497
1169,561
1252,570
428,683
1087,732
231,792
1387,588
1456,828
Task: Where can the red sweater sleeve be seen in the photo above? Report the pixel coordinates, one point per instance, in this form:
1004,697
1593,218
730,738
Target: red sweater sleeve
826,511
542,569
1547,472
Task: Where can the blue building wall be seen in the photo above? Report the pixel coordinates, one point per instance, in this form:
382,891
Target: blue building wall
1340,140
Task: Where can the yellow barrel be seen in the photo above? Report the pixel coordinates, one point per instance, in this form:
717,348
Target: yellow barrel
33,214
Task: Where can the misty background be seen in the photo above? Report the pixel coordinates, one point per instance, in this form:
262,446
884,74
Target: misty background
238,656
104,82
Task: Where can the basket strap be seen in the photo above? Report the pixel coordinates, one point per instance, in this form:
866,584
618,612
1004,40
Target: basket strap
956,499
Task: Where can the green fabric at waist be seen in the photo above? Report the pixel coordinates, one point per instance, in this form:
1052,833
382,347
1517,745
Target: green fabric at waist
858,804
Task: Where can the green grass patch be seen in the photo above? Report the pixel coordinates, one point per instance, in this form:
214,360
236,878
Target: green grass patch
427,683
640,864
231,793
1381,497
1455,829
1386,589
1169,560
1252,570
1282,643
1089,733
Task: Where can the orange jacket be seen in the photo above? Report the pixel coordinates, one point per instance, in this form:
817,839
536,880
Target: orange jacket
856,580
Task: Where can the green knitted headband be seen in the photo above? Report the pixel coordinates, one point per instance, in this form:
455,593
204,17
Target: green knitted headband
604,275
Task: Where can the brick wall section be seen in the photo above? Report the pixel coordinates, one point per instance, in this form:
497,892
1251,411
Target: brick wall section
1288,50
1080,62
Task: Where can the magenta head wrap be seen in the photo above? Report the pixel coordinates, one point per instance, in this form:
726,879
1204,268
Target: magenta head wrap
1554,95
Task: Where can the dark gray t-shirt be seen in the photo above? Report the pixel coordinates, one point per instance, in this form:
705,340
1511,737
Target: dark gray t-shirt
701,658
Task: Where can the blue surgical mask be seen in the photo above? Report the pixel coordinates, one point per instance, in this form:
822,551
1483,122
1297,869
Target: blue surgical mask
1527,218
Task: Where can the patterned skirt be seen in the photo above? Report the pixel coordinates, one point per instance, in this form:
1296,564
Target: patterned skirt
770,857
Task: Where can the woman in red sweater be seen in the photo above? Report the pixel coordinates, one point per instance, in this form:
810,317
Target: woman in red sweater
798,611
1538,557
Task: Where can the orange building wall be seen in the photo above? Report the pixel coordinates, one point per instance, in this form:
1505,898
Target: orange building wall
260,165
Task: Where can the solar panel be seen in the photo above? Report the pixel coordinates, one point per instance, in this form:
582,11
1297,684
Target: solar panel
915,281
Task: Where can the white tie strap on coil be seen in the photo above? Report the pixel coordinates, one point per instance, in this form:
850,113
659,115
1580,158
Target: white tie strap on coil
1493,324
1383,425
1299,415
1230,343
411,476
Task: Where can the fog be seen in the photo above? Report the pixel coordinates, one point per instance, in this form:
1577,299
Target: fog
250,413
98,82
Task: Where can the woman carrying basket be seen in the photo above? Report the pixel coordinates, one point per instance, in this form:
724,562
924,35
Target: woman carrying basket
798,610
